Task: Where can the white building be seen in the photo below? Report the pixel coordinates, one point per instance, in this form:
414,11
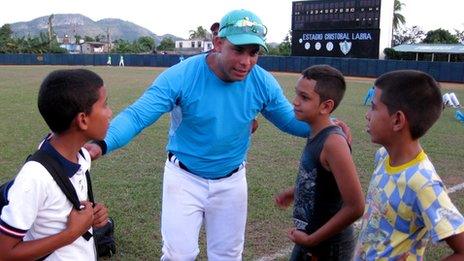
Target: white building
193,46
95,47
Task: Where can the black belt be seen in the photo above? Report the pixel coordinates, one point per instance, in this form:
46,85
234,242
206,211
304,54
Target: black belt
182,166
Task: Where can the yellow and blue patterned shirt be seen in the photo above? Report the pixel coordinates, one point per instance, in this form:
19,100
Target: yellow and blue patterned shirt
405,206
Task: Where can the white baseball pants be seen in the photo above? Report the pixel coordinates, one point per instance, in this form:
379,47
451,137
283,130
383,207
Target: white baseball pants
190,201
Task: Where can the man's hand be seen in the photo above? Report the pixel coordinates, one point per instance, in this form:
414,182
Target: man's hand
94,150
100,215
345,128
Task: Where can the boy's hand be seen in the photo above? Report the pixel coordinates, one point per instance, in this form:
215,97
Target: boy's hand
456,243
254,126
345,128
284,199
100,215
299,237
94,150
404,257
79,221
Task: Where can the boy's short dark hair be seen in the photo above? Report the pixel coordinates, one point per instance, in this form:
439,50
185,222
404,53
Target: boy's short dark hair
65,93
330,83
416,94
214,28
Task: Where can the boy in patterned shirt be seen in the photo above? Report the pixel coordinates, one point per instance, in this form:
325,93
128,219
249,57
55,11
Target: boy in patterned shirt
406,202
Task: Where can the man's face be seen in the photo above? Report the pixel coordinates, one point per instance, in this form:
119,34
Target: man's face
235,61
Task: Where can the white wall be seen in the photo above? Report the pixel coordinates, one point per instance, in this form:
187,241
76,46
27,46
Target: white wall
187,44
386,25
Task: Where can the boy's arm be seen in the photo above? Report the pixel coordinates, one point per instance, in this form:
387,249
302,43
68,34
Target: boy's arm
337,157
15,249
456,243
285,198
442,218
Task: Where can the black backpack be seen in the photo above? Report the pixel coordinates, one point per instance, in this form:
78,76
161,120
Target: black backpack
104,239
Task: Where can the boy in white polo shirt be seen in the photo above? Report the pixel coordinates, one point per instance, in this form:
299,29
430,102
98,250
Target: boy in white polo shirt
39,222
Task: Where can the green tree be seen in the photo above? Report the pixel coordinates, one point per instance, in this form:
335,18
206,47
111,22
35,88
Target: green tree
122,46
78,38
285,48
146,44
410,35
101,38
272,50
459,35
398,18
5,38
39,44
200,33
89,39
440,36
167,44
57,49
5,32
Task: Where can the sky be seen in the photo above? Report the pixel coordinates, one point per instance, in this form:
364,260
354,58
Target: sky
178,17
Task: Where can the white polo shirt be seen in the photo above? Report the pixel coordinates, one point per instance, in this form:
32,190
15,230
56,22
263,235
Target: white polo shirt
38,208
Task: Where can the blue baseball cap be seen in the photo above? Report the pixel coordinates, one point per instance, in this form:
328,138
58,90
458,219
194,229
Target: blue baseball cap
242,27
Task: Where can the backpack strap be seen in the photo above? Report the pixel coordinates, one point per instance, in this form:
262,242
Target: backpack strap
89,182
56,171
89,188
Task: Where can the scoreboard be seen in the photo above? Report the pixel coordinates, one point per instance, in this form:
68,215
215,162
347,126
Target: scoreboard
332,14
340,28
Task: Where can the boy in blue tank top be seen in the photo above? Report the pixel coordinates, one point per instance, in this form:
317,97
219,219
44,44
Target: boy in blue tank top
327,195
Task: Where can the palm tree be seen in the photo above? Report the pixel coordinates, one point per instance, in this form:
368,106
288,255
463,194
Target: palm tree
398,18
200,33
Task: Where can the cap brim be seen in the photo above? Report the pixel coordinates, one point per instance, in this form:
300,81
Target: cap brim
244,39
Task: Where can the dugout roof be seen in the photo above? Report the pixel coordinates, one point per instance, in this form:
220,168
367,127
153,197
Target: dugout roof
431,48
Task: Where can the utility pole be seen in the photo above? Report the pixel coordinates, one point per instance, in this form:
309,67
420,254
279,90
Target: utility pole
108,38
50,29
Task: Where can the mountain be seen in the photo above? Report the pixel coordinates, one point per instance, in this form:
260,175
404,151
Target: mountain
77,24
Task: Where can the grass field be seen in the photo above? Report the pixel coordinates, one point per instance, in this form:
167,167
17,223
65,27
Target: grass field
129,181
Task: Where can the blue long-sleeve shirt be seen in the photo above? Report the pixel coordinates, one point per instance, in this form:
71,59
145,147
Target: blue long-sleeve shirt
210,119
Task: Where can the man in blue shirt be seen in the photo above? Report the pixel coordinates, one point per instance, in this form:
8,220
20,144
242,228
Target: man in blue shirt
213,99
